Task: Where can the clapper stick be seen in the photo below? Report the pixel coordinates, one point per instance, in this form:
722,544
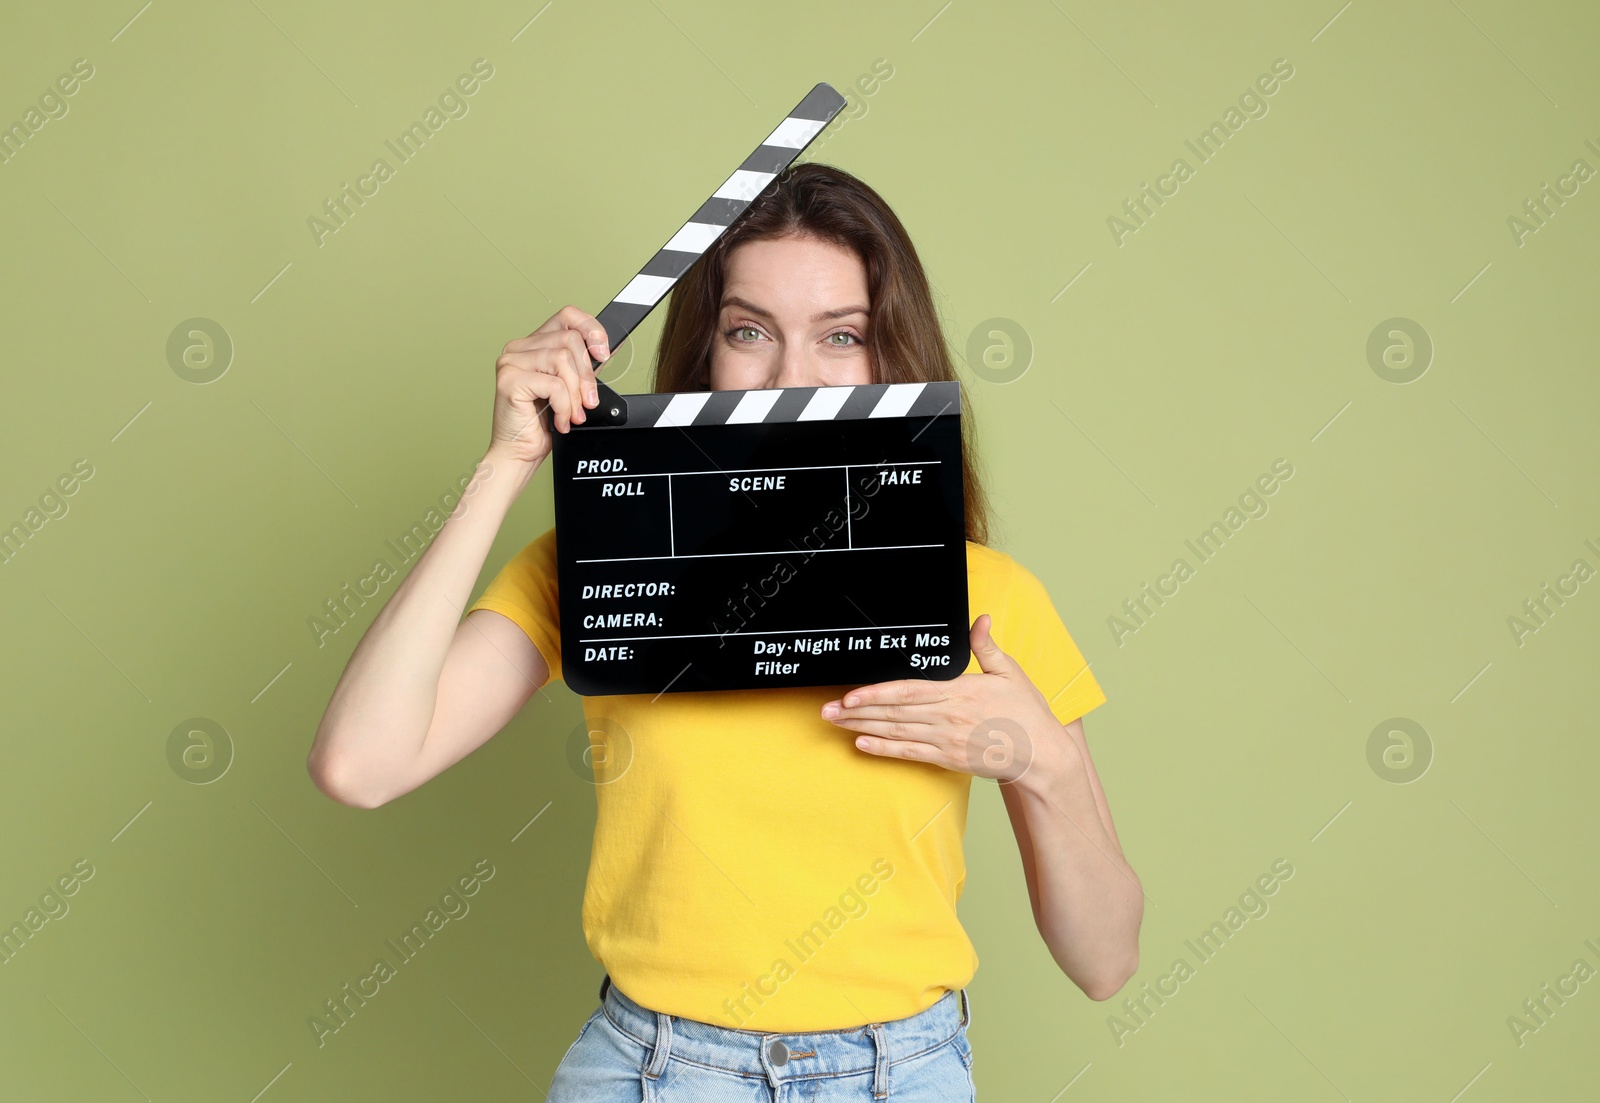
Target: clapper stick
634,302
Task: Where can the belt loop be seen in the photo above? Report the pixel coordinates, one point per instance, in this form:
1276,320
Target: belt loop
966,1008
880,1073
662,1047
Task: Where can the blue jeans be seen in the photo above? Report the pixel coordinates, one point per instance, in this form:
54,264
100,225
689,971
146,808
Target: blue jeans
627,1052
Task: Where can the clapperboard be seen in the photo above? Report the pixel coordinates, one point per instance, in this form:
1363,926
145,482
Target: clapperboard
718,540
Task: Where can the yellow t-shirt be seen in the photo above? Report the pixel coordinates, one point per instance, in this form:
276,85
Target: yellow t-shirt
751,867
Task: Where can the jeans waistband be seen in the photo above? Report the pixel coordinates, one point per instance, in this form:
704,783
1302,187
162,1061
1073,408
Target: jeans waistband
777,1056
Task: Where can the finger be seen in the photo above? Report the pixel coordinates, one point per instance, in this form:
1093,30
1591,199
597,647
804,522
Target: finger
538,339
573,364
544,358
594,334
555,339
898,748
516,372
588,390
549,390
926,712
990,658
570,317
546,374
906,691
889,729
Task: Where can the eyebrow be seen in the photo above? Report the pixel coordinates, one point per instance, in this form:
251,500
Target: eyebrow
842,312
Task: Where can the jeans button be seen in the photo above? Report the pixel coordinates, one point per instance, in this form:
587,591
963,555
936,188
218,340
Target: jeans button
779,1053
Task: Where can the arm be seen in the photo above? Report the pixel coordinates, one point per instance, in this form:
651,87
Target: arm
1087,902
424,689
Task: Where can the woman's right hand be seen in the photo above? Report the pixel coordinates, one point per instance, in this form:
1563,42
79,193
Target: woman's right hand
545,379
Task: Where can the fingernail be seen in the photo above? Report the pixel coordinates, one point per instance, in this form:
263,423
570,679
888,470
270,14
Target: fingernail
830,710
590,395
850,702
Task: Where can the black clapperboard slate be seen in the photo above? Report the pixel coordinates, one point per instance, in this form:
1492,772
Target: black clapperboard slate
752,539
721,540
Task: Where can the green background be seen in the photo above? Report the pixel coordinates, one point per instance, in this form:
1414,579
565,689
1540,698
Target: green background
1229,332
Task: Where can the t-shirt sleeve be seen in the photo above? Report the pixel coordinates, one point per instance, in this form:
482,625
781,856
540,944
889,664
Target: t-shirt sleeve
525,592
1040,642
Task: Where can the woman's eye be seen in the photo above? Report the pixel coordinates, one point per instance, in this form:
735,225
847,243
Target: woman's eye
739,333
848,338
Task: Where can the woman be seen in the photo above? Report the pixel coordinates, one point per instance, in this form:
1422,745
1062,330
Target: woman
774,875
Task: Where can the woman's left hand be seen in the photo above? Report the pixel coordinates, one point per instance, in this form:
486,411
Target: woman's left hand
992,724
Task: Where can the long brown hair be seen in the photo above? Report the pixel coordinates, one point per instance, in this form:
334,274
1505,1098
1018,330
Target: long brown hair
905,338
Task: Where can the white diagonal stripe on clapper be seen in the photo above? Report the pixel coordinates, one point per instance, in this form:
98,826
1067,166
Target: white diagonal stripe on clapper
695,237
897,399
825,403
743,184
682,409
794,133
645,290
754,406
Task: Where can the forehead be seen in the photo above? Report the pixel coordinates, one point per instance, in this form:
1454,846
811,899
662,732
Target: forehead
795,273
